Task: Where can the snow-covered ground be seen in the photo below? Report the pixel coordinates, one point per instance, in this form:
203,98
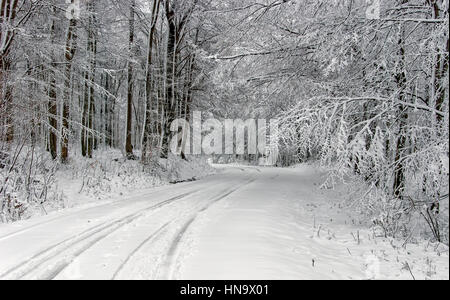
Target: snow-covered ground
108,178
243,223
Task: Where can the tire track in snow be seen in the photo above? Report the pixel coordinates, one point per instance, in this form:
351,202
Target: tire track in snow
42,252
104,229
167,268
70,214
147,240
12,234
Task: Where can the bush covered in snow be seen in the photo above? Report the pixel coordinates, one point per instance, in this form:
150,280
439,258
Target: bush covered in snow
27,183
389,216
32,183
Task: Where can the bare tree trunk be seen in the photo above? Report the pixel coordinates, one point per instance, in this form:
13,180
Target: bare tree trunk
71,45
8,13
175,38
148,130
170,101
84,131
129,129
441,63
87,135
52,103
106,117
7,132
400,78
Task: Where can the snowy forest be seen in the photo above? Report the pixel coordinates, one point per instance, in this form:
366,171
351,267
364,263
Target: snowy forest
89,90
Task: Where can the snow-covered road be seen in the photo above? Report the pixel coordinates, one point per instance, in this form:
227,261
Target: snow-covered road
244,223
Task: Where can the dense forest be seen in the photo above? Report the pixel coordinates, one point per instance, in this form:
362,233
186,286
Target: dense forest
359,86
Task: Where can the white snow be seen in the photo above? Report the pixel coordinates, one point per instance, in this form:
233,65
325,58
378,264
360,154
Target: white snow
243,223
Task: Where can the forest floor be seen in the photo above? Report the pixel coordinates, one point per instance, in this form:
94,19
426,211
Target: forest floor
242,223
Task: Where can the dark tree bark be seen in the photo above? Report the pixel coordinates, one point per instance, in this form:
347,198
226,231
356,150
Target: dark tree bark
175,33
7,132
441,64
84,118
170,101
400,79
129,125
71,46
87,135
52,104
107,112
148,130
8,13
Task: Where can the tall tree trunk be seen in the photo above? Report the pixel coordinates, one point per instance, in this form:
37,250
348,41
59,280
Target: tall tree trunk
129,125
438,91
93,66
71,46
400,78
52,103
8,13
170,101
111,114
106,112
6,124
87,135
175,37
441,66
148,130
84,118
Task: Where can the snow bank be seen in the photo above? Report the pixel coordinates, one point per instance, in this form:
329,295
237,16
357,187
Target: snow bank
285,225
86,182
